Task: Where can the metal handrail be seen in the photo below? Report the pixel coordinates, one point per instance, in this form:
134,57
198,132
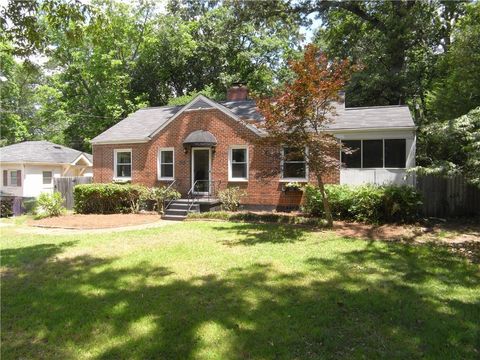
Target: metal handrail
168,187
212,191
190,196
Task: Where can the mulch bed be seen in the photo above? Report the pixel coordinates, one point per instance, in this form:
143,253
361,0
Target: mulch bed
94,221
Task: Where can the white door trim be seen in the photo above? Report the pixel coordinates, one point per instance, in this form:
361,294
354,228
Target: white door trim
209,170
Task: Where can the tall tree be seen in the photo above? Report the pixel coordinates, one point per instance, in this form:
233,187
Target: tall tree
456,90
297,116
232,48
396,41
452,147
18,83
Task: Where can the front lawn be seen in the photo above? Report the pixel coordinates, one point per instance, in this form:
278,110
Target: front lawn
219,290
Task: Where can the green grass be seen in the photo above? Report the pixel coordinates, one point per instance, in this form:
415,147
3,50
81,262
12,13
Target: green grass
220,290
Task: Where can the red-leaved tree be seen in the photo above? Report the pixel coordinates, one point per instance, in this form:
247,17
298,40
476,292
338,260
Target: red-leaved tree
298,114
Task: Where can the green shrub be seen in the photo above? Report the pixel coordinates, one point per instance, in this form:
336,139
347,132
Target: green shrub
49,205
160,195
366,203
230,198
6,207
108,198
30,205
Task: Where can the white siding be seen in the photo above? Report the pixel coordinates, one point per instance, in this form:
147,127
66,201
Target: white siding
33,179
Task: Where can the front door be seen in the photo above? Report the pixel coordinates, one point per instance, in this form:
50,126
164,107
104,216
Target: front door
201,170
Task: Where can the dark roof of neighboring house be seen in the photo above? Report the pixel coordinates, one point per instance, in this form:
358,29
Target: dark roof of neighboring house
40,152
143,123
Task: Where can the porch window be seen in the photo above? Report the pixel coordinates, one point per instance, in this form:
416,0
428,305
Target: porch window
238,163
353,160
47,177
379,153
123,164
395,153
294,165
165,164
372,153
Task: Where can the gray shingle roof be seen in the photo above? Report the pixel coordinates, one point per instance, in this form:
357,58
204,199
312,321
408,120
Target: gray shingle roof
41,152
139,125
143,123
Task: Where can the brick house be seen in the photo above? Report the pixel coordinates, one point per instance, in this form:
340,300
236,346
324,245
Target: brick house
206,146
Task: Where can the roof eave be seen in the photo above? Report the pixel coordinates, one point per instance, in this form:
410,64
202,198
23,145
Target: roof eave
339,130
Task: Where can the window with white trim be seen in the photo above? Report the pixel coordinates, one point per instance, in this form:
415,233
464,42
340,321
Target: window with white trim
47,177
294,164
12,178
374,154
238,163
123,164
165,164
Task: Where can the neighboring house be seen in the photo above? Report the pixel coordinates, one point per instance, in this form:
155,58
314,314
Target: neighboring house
28,168
213,145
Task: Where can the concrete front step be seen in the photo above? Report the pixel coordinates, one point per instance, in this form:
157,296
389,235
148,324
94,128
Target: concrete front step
173,217
184,206
178,209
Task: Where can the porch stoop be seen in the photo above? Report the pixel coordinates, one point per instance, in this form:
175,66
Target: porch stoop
178,209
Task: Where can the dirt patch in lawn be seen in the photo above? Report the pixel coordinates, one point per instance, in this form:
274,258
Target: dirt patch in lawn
94,221
461,237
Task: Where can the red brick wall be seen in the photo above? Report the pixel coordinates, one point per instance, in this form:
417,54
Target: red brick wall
227,132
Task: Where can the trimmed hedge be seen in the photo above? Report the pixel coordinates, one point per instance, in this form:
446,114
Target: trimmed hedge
255,217
108,198
366,203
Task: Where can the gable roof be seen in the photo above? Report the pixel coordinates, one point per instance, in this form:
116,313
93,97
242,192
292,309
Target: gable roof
142,125
41,152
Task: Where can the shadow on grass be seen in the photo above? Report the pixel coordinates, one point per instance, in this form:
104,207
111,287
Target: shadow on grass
32,255
252,234
377,302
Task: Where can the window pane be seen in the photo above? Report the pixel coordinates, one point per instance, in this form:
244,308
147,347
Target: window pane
167,157
47,177
239,171
353,160
395,153
239,155
294,170
166,170
124,170
372,153
291,154
124,157
13,178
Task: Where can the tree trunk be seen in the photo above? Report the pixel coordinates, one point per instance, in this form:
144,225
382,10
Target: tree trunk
326,204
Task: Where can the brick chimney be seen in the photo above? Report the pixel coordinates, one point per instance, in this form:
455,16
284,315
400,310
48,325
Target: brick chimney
238,91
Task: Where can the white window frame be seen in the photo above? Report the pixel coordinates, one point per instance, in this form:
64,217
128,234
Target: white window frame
159,164
292,179
383,154
115,152
230,163
10,184
43,178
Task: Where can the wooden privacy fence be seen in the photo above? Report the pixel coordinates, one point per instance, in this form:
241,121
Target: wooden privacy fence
448,197
64,185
